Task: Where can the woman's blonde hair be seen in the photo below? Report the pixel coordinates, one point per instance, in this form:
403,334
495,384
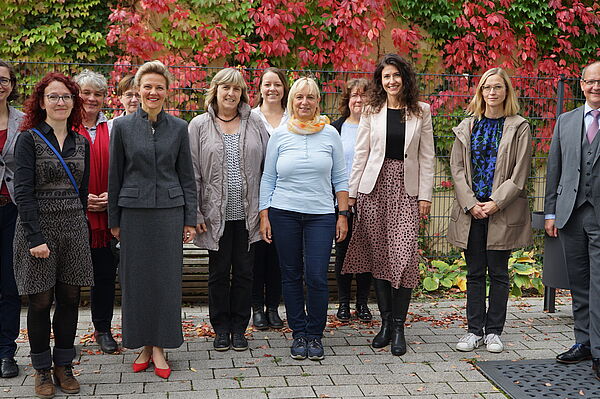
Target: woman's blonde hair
300,84
153,67
230,76
477,105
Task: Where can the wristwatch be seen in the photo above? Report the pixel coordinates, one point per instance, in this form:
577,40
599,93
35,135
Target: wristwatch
344,213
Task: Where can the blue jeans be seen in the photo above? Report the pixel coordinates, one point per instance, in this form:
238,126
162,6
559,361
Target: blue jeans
10,302
304,244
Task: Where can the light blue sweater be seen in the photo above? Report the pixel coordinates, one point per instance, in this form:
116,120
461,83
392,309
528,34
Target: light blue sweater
300,171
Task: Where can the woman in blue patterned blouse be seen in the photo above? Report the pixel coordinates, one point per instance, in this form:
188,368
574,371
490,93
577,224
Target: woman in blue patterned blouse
490,163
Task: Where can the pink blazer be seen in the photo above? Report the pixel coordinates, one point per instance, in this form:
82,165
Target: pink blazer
419,154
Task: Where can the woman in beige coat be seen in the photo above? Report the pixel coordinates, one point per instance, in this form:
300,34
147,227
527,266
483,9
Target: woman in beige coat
490,163
228,145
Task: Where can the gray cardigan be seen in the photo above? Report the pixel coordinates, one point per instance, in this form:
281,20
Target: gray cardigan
210,167
7,158
150,166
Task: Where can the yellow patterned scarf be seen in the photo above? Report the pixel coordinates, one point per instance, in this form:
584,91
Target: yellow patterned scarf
316,125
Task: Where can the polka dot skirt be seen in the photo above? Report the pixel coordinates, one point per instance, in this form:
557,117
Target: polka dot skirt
384,235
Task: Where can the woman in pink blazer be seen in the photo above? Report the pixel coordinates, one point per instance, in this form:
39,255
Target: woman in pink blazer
390,190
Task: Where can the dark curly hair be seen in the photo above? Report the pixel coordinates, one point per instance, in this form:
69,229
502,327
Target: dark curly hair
360,83
14,94
410,90
34,114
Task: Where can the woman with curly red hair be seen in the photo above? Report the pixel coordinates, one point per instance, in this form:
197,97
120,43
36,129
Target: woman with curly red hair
52,252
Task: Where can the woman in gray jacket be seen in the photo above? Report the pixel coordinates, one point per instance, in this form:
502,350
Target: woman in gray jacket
228,145
151,210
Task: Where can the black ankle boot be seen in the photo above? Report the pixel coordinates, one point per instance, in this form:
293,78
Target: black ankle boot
400,302
273,318
343,312
383,289
398,339
259,318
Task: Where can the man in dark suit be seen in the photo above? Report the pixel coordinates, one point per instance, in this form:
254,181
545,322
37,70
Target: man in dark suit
572,209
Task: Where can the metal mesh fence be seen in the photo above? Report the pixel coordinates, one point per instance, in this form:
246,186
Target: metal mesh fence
541,100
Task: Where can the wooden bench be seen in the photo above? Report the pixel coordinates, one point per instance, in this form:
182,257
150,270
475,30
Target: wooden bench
195,277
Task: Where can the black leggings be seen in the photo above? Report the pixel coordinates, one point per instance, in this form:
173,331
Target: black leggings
64,322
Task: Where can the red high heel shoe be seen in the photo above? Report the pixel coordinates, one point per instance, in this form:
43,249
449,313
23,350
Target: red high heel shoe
137,367
162,373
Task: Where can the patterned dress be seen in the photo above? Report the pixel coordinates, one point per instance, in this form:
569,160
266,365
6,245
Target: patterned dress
59,219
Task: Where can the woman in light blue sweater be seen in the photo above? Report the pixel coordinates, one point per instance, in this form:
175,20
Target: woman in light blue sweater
304,160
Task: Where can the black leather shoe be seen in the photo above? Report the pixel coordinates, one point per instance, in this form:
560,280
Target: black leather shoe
576,354
273,318
106,341
363,312
8,367
239,342
343,313
259,318
222,342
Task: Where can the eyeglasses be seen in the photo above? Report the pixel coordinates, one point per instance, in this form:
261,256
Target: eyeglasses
55,98
591,82
487,89
131,95
4,82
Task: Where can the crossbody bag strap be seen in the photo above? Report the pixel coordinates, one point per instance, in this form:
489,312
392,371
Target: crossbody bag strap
60,158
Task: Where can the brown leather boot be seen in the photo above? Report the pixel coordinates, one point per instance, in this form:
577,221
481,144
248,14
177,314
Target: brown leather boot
63,376
44,388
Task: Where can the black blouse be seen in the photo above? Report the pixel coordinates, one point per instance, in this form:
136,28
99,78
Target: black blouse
395,132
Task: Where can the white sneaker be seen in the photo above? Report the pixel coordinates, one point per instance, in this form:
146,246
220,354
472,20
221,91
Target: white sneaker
469,342
493,343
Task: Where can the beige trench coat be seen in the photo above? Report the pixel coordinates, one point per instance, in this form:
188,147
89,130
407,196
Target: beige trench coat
510,227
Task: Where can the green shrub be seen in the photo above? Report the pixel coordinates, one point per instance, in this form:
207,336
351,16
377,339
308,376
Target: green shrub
524,270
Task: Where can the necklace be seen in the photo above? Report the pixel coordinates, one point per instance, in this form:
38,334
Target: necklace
227,120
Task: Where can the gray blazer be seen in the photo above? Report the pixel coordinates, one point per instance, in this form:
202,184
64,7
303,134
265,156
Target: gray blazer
150,166
7,158
564,160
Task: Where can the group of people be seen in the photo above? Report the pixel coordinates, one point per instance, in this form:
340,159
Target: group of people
266,191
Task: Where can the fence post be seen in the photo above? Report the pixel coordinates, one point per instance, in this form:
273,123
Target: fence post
560,94
550,292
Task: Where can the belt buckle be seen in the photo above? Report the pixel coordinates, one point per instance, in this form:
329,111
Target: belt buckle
4,200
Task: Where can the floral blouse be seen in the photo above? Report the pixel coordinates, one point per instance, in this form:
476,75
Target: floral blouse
485,139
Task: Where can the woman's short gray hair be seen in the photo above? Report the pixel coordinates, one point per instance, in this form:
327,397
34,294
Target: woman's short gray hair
94,79
154,67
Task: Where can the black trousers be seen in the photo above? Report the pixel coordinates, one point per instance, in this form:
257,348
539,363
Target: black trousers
479,259
230,280
103,291
266,288
344,281
10,302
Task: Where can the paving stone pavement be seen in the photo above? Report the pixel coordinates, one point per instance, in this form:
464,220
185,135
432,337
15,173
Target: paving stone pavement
431,369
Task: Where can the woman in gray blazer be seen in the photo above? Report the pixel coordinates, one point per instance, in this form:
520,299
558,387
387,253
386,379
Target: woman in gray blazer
10,304
151,210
